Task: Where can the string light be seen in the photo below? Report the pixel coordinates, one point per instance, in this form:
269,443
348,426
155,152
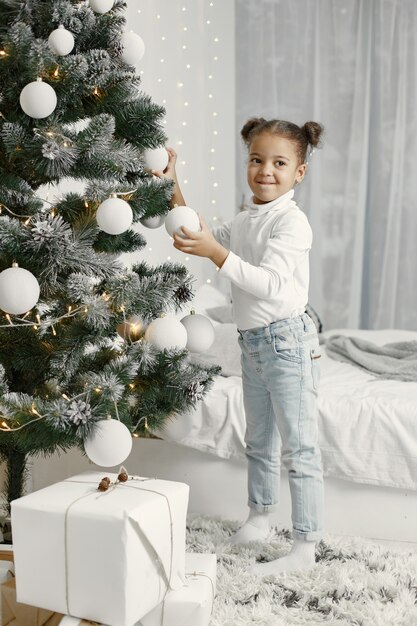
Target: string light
179,77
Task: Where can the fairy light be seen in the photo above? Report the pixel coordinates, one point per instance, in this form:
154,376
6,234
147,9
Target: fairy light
64,395
189,100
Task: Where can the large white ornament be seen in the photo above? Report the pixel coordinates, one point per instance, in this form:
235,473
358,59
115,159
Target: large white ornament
114,216
101,6
19,290
182,216
110,444
133,48
200,332
153,222
166,333
38,99
156,159
61,41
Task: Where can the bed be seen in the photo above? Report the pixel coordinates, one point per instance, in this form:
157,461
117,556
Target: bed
368,439
367,426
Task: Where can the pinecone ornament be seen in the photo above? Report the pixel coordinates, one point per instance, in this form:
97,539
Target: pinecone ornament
79,412
183,293
50,150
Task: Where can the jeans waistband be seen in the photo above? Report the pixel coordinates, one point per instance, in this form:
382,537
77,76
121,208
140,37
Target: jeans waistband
299,322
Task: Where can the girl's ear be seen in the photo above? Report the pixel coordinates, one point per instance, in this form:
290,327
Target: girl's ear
300,173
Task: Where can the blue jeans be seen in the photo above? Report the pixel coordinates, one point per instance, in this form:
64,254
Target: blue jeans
280,376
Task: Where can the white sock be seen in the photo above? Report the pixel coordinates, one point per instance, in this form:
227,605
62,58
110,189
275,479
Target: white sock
256,528
301,557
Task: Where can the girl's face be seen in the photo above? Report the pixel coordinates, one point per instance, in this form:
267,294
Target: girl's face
273,167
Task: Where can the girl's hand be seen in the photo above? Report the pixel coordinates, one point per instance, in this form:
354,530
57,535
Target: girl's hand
169,172
201,243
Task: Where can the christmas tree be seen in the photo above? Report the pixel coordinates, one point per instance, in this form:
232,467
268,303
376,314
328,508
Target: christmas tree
71,108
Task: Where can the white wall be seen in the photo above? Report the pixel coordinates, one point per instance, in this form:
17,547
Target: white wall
188,67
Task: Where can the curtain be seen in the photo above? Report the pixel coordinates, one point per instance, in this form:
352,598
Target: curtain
351,65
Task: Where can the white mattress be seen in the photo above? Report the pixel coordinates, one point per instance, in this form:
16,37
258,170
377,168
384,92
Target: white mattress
367,426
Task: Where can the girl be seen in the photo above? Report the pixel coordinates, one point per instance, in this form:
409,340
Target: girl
264,251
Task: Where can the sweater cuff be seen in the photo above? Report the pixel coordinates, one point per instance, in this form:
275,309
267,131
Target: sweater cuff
227,267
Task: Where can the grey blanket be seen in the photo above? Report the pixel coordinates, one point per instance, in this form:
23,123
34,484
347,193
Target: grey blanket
396,361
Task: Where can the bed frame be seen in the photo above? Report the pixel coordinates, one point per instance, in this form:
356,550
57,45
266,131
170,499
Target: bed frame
218,488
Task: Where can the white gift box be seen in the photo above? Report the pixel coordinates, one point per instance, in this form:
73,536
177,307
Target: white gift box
191,605
108,557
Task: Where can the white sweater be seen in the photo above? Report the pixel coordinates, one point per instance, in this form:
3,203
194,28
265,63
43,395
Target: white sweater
268,262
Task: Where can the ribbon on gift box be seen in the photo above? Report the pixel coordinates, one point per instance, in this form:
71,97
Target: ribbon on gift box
203,575
138,530
194,574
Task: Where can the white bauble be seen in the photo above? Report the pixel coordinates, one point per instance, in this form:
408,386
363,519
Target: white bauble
156,159
38,99
133,48
61,41
110,444
166,333
101,6
200,332
182,216
153,222
19,290
114,216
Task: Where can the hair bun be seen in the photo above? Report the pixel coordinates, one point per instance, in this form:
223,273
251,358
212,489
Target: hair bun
313,132
250,125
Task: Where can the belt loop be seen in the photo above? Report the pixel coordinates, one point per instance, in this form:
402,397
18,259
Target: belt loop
304,318
268,333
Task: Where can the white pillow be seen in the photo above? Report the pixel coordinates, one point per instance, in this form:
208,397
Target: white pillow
206,297
225,351
222,314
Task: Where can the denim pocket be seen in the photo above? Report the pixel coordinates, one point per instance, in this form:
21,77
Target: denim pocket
315,369
286,346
